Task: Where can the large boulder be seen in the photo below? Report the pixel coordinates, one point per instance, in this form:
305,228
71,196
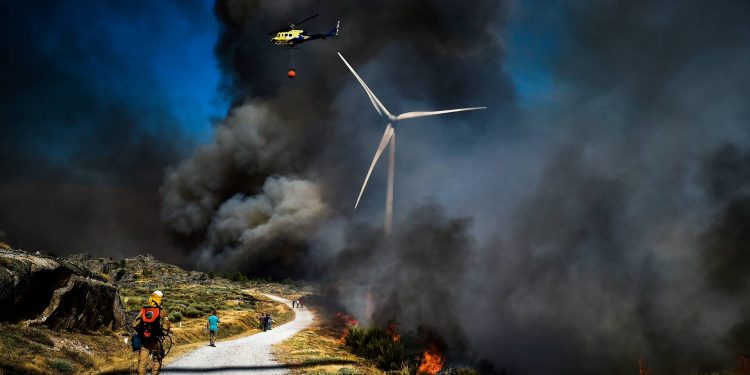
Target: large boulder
60,294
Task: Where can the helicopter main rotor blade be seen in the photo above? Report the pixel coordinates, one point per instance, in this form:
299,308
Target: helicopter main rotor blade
305,20
407,115
279,30
374,99
292,25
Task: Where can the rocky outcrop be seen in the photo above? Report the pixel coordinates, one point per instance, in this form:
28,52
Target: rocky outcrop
124,272
61,294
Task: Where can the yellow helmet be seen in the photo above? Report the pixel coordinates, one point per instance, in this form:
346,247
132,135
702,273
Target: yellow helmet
155,298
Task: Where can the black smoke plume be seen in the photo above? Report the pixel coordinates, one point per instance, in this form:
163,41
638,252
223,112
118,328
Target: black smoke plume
310,131
81,161
604,224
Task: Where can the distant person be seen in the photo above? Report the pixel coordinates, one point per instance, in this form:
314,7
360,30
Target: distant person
300,304
267,322
294,303
152,322
212,326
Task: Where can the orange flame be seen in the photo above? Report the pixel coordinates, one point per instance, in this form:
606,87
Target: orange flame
743,363
393,332
643,368
346,320
432,362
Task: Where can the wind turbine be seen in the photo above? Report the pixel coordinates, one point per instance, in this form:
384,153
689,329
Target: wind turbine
389,139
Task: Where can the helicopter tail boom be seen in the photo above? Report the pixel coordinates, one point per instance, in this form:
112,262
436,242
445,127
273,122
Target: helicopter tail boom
332,33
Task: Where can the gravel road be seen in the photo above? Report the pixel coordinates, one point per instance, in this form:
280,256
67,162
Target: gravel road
250,354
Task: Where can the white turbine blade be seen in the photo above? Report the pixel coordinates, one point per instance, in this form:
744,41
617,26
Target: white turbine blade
383,143
407,115
374,99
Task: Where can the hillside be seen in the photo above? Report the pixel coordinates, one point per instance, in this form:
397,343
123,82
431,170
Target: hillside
32,343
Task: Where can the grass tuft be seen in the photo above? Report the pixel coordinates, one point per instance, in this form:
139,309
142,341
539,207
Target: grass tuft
62,366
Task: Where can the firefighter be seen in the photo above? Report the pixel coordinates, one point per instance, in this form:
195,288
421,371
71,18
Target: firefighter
152,322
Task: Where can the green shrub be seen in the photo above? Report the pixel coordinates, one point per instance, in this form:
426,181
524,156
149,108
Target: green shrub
175,316
79,357
200,307
376,344
62,366
177,307
193,313
135,303
236,276
211,275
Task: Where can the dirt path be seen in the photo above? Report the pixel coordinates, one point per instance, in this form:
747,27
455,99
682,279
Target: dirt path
250,354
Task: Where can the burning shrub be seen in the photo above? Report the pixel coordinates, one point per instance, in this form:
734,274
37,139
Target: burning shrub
378,345
346,321
432,361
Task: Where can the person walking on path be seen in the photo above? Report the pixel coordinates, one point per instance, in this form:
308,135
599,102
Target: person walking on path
267,322
212,326
152,322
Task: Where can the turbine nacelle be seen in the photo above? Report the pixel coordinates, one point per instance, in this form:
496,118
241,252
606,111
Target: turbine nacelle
389,139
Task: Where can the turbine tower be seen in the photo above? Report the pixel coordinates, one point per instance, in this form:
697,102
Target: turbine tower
389,139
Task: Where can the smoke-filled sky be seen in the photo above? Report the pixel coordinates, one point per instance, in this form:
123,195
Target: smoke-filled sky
597,213
97,100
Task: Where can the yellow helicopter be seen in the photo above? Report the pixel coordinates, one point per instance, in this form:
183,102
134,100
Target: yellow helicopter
291,37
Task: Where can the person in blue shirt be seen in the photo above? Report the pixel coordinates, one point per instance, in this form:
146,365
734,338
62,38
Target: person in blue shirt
212,325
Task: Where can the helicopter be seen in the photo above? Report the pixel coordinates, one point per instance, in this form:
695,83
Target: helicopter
291,37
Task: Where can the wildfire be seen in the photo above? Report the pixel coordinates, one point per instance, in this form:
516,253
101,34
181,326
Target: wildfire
743,363
432,361
643,368
347,320
393,332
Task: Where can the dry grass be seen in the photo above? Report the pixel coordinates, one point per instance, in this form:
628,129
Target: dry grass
37,350
41,351
318,350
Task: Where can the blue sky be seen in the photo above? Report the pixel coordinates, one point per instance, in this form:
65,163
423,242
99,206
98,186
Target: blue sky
533,39
152,53
169,45
159,54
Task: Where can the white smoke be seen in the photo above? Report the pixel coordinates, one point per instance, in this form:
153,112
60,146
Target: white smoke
288,208
247,143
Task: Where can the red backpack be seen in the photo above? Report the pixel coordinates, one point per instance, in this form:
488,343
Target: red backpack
150,321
